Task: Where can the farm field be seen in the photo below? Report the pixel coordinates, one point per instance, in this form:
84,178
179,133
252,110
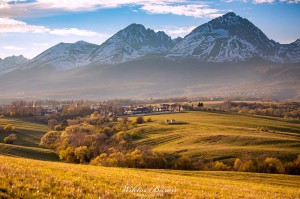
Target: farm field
28,134
25,178
222,136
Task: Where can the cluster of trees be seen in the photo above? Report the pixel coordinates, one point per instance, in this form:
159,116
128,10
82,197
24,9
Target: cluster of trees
268,165
70,113
140,157
21,108
284,110
63,109
101,141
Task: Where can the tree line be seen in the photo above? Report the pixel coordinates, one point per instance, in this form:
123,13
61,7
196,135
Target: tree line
288,110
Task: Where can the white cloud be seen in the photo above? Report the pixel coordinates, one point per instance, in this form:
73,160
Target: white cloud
83,5
73,31
175,7
263,1
290,1
12,25
177,31
41,44
194,10
12,48
4,6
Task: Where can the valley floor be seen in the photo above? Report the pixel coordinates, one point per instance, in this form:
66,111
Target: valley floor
25,178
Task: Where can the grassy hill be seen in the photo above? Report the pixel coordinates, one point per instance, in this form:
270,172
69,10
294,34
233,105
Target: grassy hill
220,136
208,135
28,134
24,178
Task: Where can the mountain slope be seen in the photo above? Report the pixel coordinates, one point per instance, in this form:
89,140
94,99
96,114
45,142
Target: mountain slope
65,56
231,38
132,42
289,52
155,76
9,64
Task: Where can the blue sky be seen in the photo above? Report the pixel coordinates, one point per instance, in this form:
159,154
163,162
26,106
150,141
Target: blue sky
29,27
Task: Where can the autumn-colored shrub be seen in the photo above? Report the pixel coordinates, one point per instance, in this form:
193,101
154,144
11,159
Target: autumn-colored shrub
52,123
82,154
138,158
293,168
140,120
10,139
237,164
9,127
248,166
271,165
220,166
183,163
50,138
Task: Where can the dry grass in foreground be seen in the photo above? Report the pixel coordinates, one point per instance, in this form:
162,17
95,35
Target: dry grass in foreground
25,178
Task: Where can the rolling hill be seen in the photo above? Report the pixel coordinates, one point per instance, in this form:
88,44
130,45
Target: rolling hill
26,178
29,135
222,136
209,136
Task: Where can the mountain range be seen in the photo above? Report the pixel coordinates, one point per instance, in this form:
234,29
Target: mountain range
231,38
154,63
12,63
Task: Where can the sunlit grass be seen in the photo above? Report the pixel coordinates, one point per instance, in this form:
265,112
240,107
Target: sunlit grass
28,134
213,135
24,178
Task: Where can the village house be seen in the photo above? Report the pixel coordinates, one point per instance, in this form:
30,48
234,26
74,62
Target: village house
138,110
161,108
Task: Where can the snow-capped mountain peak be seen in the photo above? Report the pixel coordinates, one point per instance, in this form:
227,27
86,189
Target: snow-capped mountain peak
11,63
229,38
132,42
297,42
65,56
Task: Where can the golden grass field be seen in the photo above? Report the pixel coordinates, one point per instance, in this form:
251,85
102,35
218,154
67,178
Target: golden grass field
25,178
